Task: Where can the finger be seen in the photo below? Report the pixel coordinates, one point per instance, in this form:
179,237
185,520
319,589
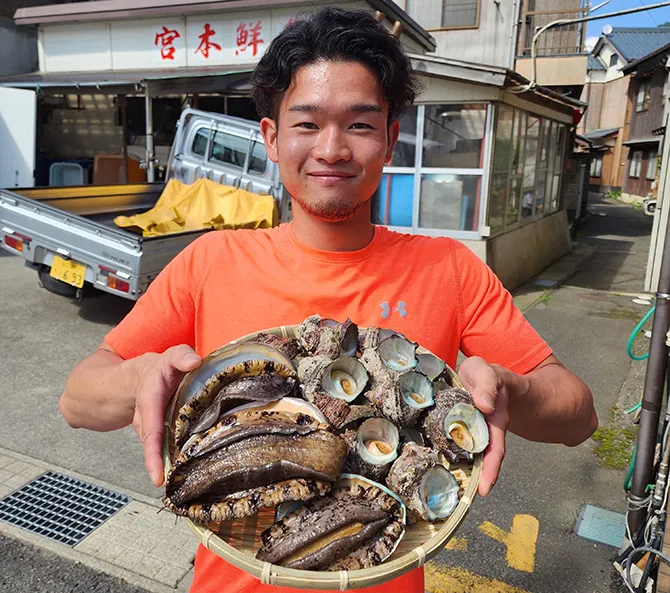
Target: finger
493,458
182,358
151,434
482,381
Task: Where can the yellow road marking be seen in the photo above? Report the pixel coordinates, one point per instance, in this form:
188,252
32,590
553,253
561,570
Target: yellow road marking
520,541
447,579
460,544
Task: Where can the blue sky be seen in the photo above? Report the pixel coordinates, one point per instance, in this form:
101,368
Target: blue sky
640,19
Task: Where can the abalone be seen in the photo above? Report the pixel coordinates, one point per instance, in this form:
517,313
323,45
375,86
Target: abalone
256,455
358,525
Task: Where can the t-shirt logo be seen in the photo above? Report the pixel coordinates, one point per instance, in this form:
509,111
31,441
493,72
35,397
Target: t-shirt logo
401,309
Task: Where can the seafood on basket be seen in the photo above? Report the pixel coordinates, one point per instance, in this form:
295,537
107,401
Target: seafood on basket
349,433
359,524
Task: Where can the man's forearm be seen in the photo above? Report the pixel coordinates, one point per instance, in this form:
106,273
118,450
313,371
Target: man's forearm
100,393
550,404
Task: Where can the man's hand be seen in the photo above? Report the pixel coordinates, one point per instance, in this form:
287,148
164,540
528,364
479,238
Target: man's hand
158,379
489,391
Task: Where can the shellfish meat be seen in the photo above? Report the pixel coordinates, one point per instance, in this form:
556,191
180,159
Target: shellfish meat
454,426
358,525
372,448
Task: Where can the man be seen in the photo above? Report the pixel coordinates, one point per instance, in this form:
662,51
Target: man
330,90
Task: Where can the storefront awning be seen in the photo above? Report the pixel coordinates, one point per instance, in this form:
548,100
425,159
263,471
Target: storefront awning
158,82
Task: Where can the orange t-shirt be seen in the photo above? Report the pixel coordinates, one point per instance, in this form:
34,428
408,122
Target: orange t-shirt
227,284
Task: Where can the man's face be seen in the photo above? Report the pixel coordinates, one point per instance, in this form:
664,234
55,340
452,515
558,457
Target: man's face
332,138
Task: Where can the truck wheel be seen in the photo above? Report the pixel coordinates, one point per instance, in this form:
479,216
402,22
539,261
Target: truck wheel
56,286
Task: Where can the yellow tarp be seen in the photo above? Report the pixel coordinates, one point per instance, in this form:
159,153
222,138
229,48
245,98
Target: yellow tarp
203,205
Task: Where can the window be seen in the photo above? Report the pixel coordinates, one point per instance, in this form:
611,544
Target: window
502,161
643,92
444,14
651,164
635,164
393,202
450,187
614,60
529,187
449,201
596,165
453,136
231,149
527,168
404,153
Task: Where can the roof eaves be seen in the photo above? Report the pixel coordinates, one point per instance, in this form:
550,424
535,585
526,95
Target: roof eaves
633,65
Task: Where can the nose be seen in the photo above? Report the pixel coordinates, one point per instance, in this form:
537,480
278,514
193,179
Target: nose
332,146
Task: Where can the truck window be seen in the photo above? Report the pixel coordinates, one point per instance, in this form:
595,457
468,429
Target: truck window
229,149
200,142
259,158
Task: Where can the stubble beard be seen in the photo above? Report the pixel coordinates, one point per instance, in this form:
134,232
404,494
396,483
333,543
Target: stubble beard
332,211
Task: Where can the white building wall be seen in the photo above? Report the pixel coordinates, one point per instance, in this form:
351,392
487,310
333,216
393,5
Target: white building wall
492,43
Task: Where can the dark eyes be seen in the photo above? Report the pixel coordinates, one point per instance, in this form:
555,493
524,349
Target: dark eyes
308,125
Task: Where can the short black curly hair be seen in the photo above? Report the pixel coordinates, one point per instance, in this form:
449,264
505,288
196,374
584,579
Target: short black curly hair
334,34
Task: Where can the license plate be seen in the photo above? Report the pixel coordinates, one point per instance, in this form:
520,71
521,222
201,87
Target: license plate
68,271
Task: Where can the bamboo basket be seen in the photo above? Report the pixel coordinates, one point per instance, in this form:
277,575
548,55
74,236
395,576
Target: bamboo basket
237,541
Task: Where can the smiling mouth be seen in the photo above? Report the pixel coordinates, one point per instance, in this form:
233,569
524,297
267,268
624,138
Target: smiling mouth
331,176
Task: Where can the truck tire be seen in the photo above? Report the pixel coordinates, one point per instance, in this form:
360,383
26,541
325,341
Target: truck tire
54,285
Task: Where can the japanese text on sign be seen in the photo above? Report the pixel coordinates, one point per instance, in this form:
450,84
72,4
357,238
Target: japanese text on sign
205,42
165,40
249,37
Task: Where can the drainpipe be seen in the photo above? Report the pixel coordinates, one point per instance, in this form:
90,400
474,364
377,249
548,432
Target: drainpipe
150,155
654,383
514,37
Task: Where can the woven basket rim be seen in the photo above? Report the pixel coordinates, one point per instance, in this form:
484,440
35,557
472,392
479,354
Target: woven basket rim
273,574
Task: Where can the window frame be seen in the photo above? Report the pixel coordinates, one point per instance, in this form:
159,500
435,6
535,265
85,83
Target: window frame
614,59
419,170
635,166
652,164
597,165
558,136
457,28
644,86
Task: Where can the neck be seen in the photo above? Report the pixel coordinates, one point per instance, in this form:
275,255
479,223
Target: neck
348,235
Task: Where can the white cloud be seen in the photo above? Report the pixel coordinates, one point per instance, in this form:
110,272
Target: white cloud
590,43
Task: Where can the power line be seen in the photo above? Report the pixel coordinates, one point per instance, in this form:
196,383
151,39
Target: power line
651,16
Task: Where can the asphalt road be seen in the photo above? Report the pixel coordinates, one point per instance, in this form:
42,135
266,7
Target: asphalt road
27,569
542,488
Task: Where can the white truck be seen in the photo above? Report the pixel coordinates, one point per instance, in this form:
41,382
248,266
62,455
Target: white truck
68,234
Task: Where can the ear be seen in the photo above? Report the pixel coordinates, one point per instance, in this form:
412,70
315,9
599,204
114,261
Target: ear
394,132
269,131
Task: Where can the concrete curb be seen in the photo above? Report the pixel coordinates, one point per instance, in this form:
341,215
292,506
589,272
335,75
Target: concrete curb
529,294
137,544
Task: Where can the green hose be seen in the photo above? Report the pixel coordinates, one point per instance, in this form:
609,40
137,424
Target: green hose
636,331
628,482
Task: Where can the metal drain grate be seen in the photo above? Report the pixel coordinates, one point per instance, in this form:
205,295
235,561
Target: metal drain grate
60,507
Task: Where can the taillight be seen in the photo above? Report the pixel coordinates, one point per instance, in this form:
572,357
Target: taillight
113,281
117,283
14,243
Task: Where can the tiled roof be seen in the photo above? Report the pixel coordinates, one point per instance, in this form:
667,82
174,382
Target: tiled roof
635,43
600,133
594,63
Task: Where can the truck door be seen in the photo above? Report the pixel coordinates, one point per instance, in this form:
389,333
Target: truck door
17,137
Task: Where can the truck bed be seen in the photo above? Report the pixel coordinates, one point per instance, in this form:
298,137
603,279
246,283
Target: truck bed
77,223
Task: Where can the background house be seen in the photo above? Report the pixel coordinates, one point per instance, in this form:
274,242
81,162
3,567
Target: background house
647,98
606,91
